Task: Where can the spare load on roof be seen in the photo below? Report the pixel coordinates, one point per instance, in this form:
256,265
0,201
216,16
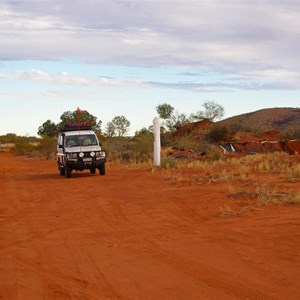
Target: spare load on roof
72,127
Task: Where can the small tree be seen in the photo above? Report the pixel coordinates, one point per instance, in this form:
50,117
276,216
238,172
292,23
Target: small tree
212,111
48,128
118,126
181,120
165,111
172,120
110,129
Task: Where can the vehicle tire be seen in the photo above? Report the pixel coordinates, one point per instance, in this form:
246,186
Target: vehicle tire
102,169
93,170
68,171
62,170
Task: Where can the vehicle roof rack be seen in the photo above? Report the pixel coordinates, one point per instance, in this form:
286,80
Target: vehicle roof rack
74,127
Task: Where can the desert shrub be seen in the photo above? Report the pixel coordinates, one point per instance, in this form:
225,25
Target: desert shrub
144,132
249,159
22,145
43,148
47,147
13,138
173,176
9,138
264,194
278,162
215,154
166,138
292,173
24,148
290,134
185,142
217,133
235,127
237,173
118,149
168,163
142,148
166,151
275,162
129,150
101,138
225,211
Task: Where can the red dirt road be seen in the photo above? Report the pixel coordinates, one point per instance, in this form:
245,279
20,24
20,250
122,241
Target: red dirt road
133,234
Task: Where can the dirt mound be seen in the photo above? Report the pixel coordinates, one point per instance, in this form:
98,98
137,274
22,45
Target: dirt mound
271,134
243,137
192,128
243,142
258,147
292,147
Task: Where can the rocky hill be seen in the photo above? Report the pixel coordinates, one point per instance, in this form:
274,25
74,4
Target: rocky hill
282,119
265,130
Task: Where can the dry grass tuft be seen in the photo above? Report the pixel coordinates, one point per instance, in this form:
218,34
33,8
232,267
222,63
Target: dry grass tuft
261,196
173,176
225,211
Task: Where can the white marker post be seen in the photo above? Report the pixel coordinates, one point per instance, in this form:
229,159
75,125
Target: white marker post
157,146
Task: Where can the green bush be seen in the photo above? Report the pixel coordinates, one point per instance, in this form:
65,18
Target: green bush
129,150
185,142
47,147
118,148
168,163
290,134
24,148
217,133
142,148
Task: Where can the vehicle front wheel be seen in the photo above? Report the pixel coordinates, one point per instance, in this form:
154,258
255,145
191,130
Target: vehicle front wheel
68,171
102,169
61,170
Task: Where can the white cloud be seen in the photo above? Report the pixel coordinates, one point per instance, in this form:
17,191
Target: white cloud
66,78
246,38
263,80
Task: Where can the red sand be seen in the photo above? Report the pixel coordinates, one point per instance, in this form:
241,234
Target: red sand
134,234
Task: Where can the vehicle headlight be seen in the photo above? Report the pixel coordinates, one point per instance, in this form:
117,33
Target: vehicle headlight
81,154
100,154
72,155
92,154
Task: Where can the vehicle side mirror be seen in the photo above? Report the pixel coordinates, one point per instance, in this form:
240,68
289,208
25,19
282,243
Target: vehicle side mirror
60,146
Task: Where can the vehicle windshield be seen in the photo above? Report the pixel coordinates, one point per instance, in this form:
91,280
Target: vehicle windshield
81,140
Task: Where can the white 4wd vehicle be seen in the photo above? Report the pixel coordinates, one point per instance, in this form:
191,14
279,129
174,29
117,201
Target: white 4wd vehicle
78,149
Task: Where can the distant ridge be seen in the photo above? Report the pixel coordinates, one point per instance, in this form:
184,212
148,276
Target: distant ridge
283,118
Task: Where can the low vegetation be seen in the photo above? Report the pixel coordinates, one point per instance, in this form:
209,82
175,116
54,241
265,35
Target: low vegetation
243,176
239,173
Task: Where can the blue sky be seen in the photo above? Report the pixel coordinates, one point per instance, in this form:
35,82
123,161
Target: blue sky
126,57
